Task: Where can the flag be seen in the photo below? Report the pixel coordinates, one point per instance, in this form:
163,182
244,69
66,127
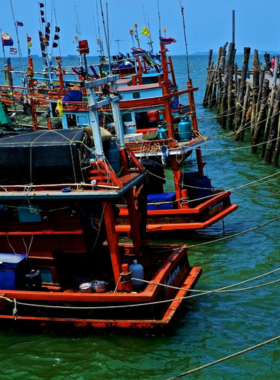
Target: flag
55,45
29,44
41,5
57,29
138,52
167,40
19,23
7,39
13,51
43,19
56,37
145,31
42,13
29,39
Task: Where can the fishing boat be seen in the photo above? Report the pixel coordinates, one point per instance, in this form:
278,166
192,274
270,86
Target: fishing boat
159,143
194,203
61,259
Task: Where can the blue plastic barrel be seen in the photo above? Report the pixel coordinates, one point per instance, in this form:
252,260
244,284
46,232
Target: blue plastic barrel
113,155
185,129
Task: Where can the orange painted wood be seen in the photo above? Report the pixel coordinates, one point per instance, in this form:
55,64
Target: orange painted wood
112,237
125,179
133,219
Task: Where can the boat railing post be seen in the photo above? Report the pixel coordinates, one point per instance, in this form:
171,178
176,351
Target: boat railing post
192,106
113,239
94,120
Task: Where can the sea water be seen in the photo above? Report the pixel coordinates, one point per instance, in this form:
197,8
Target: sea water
209,327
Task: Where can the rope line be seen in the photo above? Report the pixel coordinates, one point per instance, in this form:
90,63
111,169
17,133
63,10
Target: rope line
226,358
202,292
237,234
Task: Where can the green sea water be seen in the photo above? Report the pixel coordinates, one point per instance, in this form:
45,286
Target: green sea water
209,327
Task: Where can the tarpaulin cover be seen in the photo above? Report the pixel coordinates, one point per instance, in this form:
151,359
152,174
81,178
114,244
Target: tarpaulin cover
44,157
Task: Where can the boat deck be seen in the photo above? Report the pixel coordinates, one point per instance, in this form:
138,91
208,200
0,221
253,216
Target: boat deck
71,190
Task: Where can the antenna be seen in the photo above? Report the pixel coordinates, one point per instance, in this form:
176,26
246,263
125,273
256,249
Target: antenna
118,45
106,33
78,27
55,18
18,43
150,36
159,23
233,27
185,38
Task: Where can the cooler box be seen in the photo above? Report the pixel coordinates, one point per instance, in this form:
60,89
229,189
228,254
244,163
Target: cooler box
12,271
160,201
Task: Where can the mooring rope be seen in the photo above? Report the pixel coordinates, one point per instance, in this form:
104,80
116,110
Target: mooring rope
237,234
200,293
225,358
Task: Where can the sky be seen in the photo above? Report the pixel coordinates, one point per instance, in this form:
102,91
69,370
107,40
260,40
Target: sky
208,23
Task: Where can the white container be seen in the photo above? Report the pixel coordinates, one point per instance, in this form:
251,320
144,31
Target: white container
137,272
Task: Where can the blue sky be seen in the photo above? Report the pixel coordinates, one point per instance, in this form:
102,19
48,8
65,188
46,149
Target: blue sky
208,23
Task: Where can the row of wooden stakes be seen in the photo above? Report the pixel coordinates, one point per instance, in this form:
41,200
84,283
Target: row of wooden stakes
246,100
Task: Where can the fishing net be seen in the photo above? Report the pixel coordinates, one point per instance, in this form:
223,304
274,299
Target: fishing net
44,157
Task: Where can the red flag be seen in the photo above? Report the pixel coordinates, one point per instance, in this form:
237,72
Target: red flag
29,39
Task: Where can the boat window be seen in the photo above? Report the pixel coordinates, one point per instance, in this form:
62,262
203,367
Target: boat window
83,120
150,80
127,117
71,121
136,95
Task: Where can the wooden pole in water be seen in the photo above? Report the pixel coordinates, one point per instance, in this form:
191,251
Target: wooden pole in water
236,81
267,61
209,79
240,96
277,146
230,111
230,70
210,58
260,124
220,93
223,113
213,98
233,26
223,56
239,135
256,81
273,129
267,123
260,91
275,72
